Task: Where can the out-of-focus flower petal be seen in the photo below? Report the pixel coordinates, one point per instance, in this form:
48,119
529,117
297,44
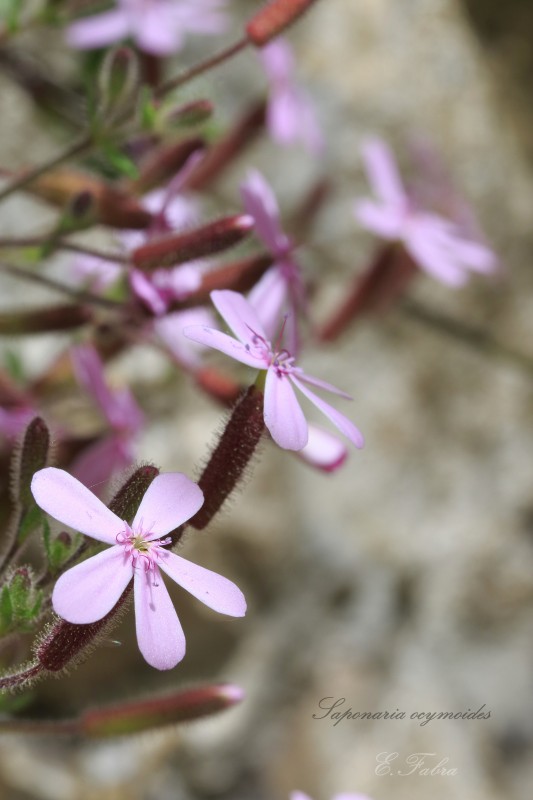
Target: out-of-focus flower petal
340,421
382,172
323,450
381,220
260,202
96,465
99,30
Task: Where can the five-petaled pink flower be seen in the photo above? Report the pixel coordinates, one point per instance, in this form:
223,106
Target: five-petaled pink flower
438,245
89,591
291,117
281,289
284,417
157,26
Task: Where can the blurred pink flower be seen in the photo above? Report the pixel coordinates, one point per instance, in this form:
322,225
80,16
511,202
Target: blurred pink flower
284,417
170,328
281,290
291,117
438,245
95,466
159,27
89,591
14,420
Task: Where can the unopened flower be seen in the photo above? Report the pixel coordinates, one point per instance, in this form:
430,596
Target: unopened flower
90,590
291,117
159,27
284,417
438,245
281,289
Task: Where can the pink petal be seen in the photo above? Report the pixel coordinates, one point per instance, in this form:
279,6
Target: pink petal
98,30
278,60
89,373
320,384
383,173
238,314
156,31
268,297
159,634
381,220
299,796
323,450
89,591
339,420
283,416
432,257
170,500
170,330
70,502
260,202
212,589
145,290
96,464
224,343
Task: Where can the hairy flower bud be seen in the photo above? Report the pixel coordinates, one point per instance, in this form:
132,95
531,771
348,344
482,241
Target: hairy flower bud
167,251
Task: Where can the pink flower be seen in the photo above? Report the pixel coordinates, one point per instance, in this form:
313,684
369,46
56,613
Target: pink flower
283,416
290,114
96,464
281,289
157,26
96,273
89,591
436,244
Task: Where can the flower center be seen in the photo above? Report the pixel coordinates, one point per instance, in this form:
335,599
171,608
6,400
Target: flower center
144,553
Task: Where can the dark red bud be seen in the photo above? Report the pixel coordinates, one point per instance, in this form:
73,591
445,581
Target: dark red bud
167,251
274,18
128,718
227,149
231,456
44,320
375,290
160,166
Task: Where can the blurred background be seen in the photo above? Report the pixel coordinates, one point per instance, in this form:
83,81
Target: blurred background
404,581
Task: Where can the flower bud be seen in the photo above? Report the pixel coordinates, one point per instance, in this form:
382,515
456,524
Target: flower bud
167,251
44,320
118,81
157,712
33,456
162,164
272,20
231,456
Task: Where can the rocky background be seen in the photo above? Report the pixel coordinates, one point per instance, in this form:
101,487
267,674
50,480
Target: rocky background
404,582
